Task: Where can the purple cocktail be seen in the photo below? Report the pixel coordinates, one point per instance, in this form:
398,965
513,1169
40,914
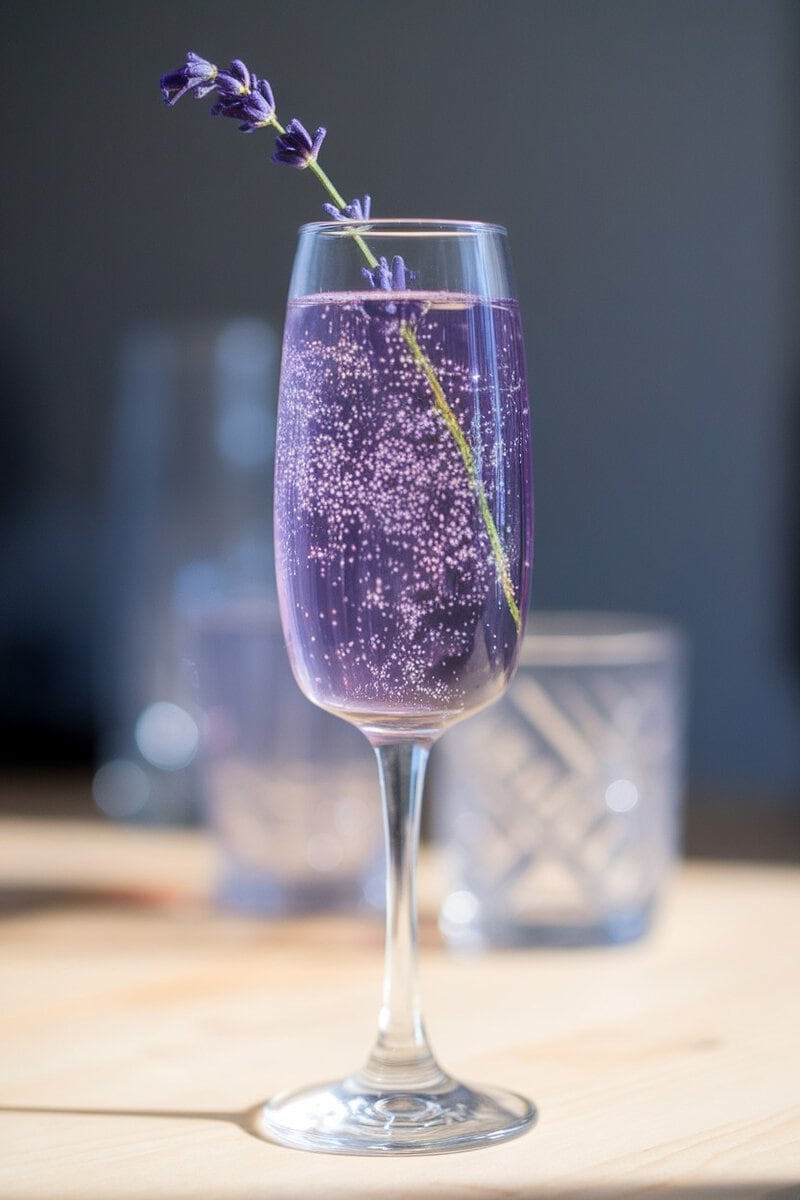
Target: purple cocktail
403,537
391,590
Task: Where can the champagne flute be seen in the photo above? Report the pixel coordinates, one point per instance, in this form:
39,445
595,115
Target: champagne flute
403,514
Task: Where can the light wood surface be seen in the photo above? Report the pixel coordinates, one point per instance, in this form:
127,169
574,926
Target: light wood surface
138,1027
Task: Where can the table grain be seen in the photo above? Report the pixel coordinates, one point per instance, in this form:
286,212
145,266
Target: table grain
139,1027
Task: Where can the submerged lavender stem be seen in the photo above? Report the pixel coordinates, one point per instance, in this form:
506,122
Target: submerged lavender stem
451,421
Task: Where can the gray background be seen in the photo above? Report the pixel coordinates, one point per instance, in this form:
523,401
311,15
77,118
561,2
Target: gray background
644,156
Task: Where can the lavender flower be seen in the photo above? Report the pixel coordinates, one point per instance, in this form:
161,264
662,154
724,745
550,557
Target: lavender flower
295,147
236,81
255,109
197,75
356,210
385,279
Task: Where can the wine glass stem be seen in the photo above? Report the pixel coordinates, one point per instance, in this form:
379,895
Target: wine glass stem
401,1057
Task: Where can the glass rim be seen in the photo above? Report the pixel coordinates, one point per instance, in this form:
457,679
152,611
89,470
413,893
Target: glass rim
404,226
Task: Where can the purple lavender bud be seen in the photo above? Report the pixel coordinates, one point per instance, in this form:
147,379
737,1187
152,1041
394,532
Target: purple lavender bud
398,274
254,110
295,147
386,278
197,75
356,210
258,109
236,81
380,276
262,87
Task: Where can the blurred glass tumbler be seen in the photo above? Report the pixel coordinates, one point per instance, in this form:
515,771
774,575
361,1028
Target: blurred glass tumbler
198,712
288,787
561,803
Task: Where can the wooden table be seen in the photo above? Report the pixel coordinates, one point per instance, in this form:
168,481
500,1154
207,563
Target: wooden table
138,1028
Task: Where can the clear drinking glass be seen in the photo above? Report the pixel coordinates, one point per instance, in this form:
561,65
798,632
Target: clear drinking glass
559,809
403,544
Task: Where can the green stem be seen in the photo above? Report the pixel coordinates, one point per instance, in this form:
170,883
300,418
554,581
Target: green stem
340,202
335,196
451,421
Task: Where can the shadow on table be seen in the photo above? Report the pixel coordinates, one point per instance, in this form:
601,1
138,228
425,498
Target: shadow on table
173,905
400,1188
19,900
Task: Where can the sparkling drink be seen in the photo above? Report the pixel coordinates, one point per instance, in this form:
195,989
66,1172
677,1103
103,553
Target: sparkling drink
391,586
403,544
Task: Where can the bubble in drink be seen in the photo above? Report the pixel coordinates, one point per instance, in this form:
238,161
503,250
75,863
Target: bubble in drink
392,592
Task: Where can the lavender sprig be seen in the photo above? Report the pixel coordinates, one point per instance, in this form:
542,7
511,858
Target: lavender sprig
244,97
249,100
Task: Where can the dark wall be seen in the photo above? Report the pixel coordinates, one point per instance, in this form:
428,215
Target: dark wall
644,157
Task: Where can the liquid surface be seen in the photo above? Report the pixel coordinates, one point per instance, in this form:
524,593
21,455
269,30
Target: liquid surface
390,589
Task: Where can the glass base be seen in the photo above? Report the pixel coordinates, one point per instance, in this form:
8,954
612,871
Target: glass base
348,1117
